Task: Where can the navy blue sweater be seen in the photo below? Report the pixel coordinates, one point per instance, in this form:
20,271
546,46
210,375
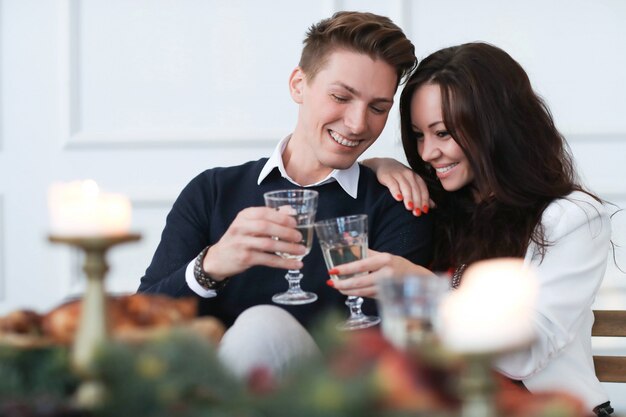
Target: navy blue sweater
211,201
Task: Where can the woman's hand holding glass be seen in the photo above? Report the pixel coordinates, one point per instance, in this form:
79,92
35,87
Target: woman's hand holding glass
343,240
375,266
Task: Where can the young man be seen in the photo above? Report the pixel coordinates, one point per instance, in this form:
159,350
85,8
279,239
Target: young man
350,68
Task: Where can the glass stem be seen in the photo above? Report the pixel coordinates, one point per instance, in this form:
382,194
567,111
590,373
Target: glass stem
293,277
354,304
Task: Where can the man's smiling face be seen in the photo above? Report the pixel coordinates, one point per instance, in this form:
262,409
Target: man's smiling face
344,108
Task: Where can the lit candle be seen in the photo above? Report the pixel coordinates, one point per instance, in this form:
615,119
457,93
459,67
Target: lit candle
492,311
80,209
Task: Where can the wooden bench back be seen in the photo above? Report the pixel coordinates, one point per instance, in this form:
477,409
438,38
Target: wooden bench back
610,323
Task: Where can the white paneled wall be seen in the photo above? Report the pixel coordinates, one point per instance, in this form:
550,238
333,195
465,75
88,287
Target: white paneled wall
174,72
2,218
143,95
2,261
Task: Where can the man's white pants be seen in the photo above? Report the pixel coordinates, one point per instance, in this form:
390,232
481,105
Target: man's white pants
265,336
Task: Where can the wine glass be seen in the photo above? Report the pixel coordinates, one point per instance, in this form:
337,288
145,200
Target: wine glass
409,307
343,240
302,205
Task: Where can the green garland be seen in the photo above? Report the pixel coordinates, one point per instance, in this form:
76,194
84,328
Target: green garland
180,375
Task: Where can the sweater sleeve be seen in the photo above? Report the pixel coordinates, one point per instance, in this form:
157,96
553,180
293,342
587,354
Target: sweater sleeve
578,232
185,234
395,230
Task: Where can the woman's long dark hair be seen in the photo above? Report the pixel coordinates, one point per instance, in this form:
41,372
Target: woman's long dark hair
520,161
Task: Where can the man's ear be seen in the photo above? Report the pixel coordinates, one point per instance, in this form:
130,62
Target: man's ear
296,84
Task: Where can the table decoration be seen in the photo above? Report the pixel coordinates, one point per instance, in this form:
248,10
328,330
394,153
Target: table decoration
84,217
132,318
178,374
92,327
81,209
489,314
408,306
492,310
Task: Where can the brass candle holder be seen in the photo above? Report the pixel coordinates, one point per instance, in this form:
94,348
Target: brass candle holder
477,386
92,326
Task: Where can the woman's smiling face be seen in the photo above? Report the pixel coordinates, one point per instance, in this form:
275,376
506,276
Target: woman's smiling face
435,145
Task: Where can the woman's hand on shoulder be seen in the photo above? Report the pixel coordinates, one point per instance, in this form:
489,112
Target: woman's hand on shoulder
404,184
377,265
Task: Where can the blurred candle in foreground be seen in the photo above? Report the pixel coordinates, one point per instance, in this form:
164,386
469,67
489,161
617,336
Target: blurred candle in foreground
493,309
80,209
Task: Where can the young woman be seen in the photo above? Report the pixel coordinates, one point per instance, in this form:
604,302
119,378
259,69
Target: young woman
504,184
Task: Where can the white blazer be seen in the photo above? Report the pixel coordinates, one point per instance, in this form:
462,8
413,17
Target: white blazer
578,230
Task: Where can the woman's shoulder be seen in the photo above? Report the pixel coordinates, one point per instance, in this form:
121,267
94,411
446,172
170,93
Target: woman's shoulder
572,211
575,203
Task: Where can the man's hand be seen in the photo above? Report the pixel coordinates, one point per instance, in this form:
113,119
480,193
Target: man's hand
376,266
251,240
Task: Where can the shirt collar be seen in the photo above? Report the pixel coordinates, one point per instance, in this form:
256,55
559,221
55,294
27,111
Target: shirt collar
348,179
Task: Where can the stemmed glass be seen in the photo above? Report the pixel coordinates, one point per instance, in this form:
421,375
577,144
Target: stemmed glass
409,307
302,205
343,240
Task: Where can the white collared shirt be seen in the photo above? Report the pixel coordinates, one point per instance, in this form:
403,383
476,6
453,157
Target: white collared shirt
348,179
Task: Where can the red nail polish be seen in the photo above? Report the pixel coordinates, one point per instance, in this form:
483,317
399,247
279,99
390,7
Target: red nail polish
425,209
417,212
410,205
399,196
333,271
330,283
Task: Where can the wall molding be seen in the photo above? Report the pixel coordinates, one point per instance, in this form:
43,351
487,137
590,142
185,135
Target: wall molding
613,195
2,252
189,138
331,6
1,92
67,68
596,138
75,136
400,13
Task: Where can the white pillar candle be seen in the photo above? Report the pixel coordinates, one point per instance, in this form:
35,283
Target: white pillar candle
493,309
80,209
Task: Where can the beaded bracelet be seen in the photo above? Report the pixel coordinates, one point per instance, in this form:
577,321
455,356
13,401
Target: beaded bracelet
204,279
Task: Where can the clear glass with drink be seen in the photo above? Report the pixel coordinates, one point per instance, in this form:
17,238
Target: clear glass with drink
343,240
409,305
302,205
